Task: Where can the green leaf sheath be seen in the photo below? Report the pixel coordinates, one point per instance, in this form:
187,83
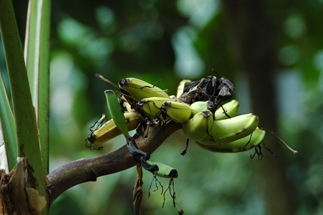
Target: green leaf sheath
116,113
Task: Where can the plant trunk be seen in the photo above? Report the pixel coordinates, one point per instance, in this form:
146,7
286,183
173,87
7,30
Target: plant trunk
17,193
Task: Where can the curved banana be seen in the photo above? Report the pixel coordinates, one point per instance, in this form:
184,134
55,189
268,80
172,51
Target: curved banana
199,106
151,106
163,108
138,89
177,111
242,144
109,130
228,130
197,127
231,108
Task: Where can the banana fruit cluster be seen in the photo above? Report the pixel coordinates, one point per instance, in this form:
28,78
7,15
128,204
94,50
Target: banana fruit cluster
205,109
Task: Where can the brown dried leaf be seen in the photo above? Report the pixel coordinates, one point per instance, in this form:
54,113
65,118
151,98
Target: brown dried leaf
137,191
37,202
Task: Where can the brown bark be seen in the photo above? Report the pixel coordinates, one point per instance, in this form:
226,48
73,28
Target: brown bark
252,33
88,169
17,191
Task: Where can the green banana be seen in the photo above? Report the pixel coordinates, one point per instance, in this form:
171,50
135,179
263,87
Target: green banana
164,170
228,130
138,89
163,108
231,109
199,106
177,111
116,112
238,145
109,130
151,106
197,127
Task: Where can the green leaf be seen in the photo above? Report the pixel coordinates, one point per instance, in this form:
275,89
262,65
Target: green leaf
37,63
8,126
24,113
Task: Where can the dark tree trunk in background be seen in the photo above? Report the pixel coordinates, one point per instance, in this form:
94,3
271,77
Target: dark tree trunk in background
252,33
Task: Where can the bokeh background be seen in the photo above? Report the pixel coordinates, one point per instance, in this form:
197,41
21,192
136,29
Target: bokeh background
271,50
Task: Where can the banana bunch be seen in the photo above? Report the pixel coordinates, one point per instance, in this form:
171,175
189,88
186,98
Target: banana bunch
234,134
205,109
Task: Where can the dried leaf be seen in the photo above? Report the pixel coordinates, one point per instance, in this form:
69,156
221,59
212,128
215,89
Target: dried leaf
37,202
137,191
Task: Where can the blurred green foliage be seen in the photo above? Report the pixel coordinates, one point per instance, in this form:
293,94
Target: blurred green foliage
169,41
